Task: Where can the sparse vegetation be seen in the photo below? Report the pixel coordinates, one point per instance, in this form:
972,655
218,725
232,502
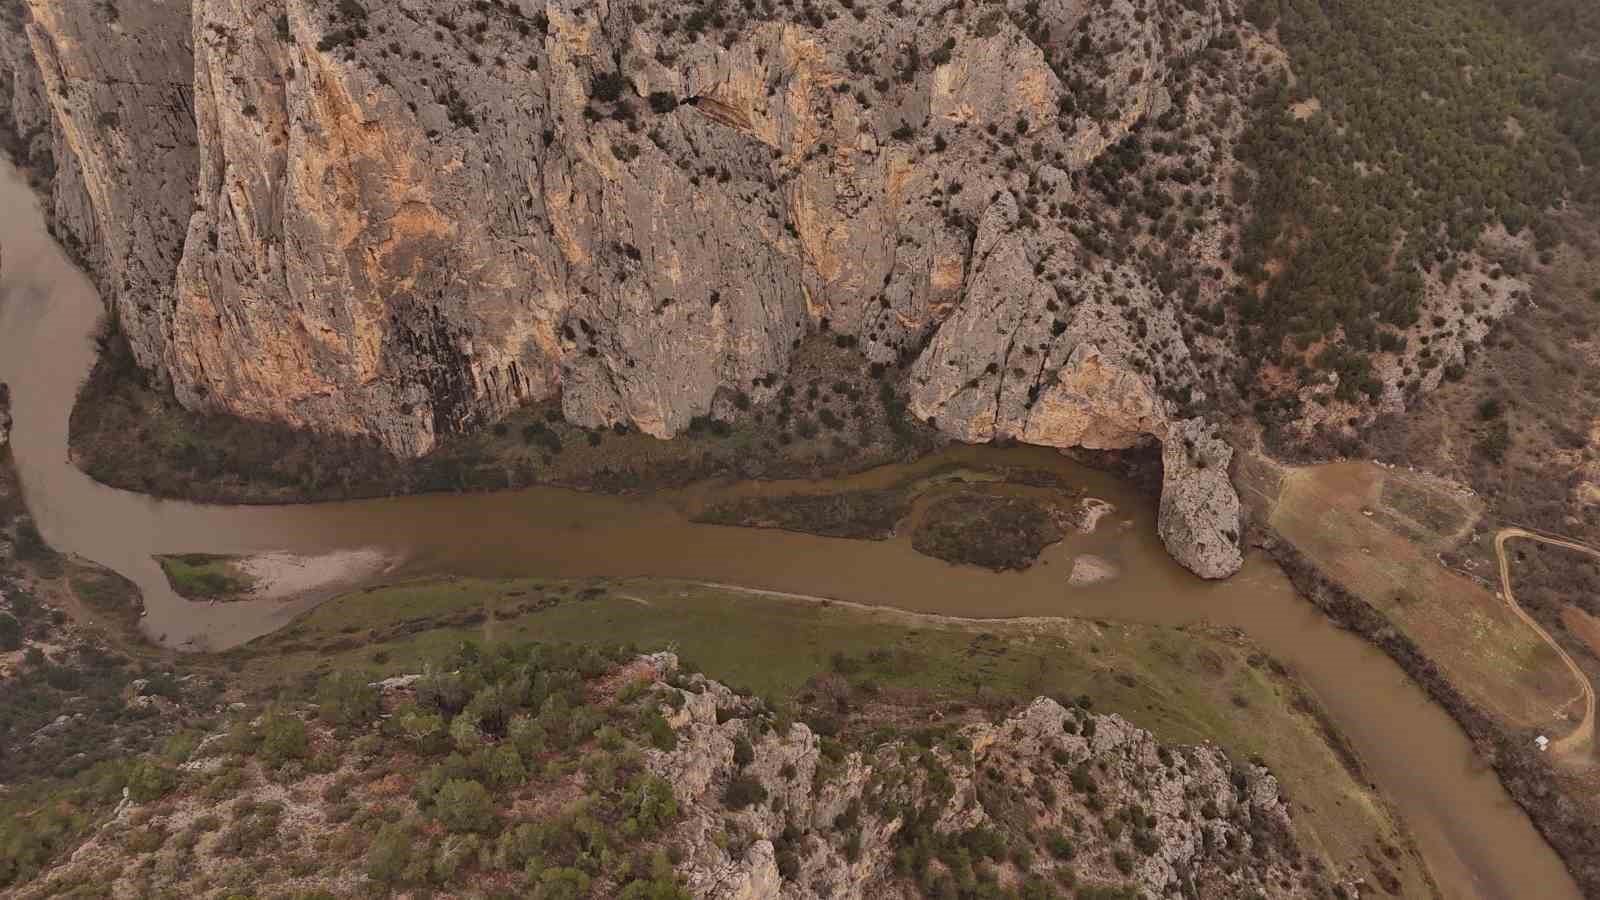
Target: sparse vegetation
213,458
990,530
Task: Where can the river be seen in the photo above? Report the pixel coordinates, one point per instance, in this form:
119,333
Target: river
1477,842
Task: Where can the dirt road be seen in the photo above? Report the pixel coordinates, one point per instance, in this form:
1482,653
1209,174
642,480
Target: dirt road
1581,740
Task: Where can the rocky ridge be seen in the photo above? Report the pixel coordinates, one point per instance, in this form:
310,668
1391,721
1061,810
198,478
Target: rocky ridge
408,218
1050,793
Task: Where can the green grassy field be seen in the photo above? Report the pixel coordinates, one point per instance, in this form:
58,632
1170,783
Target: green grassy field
1185,685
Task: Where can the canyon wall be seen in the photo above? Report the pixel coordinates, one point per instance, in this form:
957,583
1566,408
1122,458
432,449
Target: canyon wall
403,220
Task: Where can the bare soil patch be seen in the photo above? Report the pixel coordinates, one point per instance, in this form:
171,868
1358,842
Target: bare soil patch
1337,515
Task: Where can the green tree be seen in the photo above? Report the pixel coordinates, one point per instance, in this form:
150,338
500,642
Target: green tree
464,733
421,728
649,804
1495,442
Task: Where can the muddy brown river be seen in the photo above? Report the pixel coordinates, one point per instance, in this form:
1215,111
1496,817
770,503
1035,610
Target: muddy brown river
1477,842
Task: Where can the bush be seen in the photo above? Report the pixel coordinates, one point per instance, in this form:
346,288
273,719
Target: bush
283,737
662,737
607,87
743,791
562,884
463,805
345,698
649,805
1496,442
10,632
654,889
503,767
148,781
389,854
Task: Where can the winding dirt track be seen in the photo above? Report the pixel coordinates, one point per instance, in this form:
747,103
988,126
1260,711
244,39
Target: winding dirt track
1582,738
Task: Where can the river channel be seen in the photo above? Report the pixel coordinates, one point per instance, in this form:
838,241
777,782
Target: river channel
1477,842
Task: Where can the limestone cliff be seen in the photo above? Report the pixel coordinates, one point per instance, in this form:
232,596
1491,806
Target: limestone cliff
404,219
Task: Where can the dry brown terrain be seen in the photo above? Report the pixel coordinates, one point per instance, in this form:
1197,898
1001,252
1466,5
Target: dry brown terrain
1378,531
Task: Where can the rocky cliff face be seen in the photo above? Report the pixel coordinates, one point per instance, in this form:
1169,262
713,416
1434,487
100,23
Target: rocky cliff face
404,219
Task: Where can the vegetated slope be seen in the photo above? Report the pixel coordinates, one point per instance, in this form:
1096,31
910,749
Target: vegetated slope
1420,133
80,697
562,771
264,769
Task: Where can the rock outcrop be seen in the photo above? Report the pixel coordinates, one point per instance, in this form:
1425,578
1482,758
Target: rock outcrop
813,821
1199,517
402,220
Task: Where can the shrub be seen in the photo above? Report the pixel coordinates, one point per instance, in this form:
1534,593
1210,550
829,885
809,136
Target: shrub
283,737
463,805
649,805
390,854
561,884
149,781
743,791
503,767
607,87
662,737
1496,442
345,698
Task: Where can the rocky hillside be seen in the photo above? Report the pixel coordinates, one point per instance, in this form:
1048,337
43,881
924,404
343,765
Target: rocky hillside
553,771
403,220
